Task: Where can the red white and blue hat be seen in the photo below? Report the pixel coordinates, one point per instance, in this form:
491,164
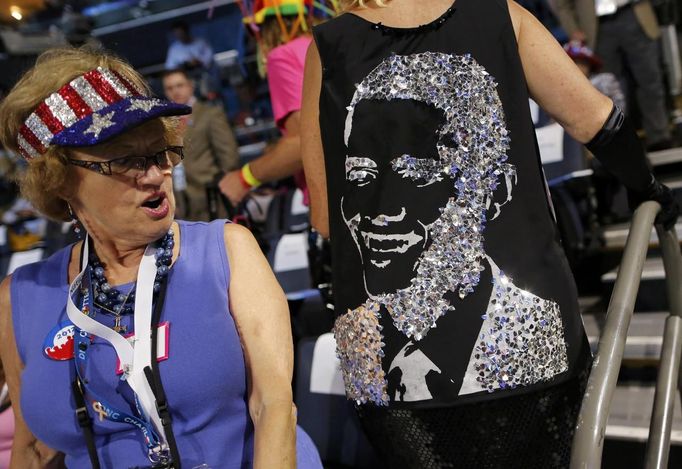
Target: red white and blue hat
88,110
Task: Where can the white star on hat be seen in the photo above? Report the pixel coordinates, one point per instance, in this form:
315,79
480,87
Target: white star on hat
99,123
143,105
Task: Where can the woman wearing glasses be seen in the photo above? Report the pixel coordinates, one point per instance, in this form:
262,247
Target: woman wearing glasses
145,344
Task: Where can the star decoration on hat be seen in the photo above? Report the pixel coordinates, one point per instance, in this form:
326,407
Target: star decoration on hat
143,105
100,122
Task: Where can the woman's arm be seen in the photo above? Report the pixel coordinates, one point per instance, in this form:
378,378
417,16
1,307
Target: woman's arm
261,314
588,116
311,142
555,82
281,160
284,159
27,451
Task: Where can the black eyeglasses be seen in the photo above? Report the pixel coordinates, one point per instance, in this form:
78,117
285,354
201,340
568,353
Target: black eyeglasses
134,165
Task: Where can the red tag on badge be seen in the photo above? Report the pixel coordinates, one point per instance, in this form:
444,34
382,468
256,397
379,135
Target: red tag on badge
161,344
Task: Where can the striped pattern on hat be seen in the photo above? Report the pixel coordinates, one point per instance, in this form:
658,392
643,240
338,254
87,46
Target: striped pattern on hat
78,99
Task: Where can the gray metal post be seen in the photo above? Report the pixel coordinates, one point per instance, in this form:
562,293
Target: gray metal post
658,446
590,431
672,261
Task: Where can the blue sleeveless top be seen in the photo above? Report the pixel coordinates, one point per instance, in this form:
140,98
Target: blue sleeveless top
204,376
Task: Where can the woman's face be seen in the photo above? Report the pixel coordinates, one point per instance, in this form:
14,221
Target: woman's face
125,208
393,145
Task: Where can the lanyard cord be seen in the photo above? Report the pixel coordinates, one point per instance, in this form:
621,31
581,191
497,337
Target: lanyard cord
153,376
85,421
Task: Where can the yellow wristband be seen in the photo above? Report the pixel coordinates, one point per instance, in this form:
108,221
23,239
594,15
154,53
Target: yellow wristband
249,177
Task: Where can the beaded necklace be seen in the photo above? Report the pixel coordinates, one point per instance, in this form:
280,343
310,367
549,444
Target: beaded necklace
110,300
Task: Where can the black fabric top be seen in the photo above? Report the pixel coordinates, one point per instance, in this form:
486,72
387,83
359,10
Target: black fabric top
449,279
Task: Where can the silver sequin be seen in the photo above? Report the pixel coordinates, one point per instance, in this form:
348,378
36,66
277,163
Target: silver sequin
353,162
61,110
417,169
359,348
100,122
143,105
88,93
39,129
521,341
27,147
114,82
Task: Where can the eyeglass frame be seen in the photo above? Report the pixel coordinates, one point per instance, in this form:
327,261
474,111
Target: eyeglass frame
104,167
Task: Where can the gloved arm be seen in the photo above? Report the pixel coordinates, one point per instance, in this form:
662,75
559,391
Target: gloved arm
618,148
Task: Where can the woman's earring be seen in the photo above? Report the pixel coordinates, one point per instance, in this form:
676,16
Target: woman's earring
75,223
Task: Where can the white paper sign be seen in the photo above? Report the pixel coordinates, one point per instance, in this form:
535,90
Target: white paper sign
291,253
325,372
297,205
19,259
534,111
551,143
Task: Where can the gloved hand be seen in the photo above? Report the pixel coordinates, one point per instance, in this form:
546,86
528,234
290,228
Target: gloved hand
662,194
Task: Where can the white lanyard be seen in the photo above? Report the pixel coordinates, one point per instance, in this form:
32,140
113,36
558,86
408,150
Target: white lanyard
133,357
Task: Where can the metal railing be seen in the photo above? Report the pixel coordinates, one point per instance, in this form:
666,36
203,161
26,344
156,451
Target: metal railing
588,442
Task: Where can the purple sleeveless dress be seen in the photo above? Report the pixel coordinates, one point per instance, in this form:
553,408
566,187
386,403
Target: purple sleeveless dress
204,376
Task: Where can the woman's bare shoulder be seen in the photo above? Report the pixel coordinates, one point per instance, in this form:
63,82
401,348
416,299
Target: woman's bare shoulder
517,14
238,235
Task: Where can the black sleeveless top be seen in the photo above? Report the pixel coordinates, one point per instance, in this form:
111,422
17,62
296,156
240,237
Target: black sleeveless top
450,283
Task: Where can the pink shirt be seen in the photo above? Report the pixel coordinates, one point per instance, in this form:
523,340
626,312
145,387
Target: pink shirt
285,77
286,64
6,435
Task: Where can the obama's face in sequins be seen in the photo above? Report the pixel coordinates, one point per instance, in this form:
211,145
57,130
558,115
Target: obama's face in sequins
391,228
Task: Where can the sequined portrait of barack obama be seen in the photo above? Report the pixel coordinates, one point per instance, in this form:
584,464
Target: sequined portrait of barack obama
426,152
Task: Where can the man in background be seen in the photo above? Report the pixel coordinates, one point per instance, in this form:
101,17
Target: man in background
210,146
188,52
624,33
194,56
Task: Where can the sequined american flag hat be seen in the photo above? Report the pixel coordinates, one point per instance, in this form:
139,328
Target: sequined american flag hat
88,110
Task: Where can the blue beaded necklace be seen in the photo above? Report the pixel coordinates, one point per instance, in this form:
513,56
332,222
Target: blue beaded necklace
110,300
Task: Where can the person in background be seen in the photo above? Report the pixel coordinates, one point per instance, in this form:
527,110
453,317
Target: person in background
195,56
284,37
188,52
210,146
624,34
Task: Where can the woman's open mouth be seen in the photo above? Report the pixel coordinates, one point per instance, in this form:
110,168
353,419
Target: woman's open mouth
157,206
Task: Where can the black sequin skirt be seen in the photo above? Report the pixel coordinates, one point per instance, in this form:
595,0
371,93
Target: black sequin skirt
526,431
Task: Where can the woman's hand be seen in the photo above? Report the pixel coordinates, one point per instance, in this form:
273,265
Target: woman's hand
27,451
261,314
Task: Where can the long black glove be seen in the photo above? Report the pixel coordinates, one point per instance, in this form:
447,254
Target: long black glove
619,149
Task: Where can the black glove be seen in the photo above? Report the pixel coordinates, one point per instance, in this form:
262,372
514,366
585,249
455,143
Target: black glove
662,194
619,150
